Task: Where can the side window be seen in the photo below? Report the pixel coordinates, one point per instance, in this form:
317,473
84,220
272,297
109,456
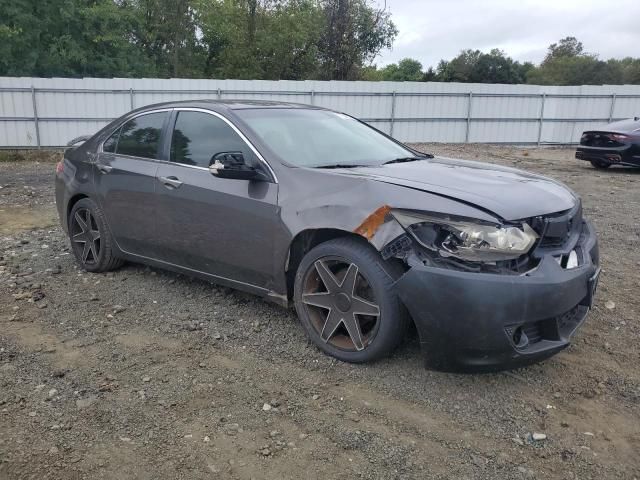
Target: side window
140,137
110,143
198,137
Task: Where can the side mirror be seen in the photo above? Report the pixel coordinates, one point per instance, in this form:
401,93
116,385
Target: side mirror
231,165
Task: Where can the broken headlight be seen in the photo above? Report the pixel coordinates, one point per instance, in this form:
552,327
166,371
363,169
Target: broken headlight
468,239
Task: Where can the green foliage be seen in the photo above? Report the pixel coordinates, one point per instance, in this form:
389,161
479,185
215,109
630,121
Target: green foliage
406,70
578,70
566,63
630,70
474,66
256,39
68,38
567,47
252,39
353,35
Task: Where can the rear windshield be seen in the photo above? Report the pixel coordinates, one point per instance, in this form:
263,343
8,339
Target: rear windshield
316,138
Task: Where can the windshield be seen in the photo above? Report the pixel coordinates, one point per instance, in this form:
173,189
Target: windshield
317,138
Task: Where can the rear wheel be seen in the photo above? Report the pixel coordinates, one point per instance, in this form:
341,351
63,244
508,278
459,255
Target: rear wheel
600,164
91,241
346,303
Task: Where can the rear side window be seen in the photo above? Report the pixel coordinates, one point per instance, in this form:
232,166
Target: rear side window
110,143
140,137
198,137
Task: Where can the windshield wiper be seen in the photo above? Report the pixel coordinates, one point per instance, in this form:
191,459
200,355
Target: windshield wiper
406,159
342,165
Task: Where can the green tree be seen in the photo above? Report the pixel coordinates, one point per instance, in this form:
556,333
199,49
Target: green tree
291,39
166,31
406,70
353,34
568,47
252,39
630,68
69,38
566,63
430,75
474,66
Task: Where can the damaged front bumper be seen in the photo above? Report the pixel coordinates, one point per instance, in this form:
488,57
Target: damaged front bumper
485,321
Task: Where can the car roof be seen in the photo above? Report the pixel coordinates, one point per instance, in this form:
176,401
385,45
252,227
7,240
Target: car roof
232,104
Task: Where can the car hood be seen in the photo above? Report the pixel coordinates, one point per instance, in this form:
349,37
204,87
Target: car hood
507,192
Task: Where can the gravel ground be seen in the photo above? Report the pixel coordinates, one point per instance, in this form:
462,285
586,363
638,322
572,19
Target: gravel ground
142,373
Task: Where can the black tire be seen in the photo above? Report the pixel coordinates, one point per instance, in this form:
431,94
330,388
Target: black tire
379,334
600,164
100,258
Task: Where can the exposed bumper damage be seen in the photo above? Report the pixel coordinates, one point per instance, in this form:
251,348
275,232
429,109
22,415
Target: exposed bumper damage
495,318
380,228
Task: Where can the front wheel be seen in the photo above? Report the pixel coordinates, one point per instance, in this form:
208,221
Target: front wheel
346,303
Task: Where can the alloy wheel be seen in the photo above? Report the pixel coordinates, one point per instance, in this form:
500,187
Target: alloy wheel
341,304
85,236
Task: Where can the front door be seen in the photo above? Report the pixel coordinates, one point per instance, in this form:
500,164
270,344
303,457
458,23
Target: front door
125,181
223,227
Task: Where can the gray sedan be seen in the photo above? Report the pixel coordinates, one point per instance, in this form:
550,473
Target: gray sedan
363,235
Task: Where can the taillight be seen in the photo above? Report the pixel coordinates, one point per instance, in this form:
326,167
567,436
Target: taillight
619,137
59,167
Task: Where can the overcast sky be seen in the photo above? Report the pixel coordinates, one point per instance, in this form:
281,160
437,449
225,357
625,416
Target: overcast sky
430,30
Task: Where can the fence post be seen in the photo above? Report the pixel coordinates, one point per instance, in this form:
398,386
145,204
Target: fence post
393,112
219,94
613,106
541,120
35,115
313,97
466,135
131,98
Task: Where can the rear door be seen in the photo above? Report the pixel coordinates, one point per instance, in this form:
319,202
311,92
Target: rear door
126,181
223,227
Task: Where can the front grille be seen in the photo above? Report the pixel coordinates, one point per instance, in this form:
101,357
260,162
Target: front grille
550,329
569,320
559,231
533,332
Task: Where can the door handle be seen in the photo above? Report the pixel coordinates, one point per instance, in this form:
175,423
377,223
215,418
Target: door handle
104,168
170,182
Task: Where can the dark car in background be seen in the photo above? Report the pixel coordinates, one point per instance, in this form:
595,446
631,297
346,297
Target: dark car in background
309,207
616,144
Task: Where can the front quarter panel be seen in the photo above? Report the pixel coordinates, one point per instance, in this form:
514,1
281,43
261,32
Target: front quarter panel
320,199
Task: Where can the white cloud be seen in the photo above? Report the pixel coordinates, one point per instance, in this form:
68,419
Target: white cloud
434,29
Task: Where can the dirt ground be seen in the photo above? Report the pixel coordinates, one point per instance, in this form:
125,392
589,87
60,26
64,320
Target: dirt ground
144,374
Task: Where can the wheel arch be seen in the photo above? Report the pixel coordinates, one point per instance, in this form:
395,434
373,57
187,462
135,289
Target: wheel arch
303,242
307,239
72,201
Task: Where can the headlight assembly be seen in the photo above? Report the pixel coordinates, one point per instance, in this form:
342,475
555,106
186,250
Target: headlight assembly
468,239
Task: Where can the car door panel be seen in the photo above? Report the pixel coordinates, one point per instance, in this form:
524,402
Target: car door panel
125,181
126,188
218,226
222,227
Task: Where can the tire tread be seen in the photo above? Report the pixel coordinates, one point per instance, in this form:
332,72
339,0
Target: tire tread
109,260
386,273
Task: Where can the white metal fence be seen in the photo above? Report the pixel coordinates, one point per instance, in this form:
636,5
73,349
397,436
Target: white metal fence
47,112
